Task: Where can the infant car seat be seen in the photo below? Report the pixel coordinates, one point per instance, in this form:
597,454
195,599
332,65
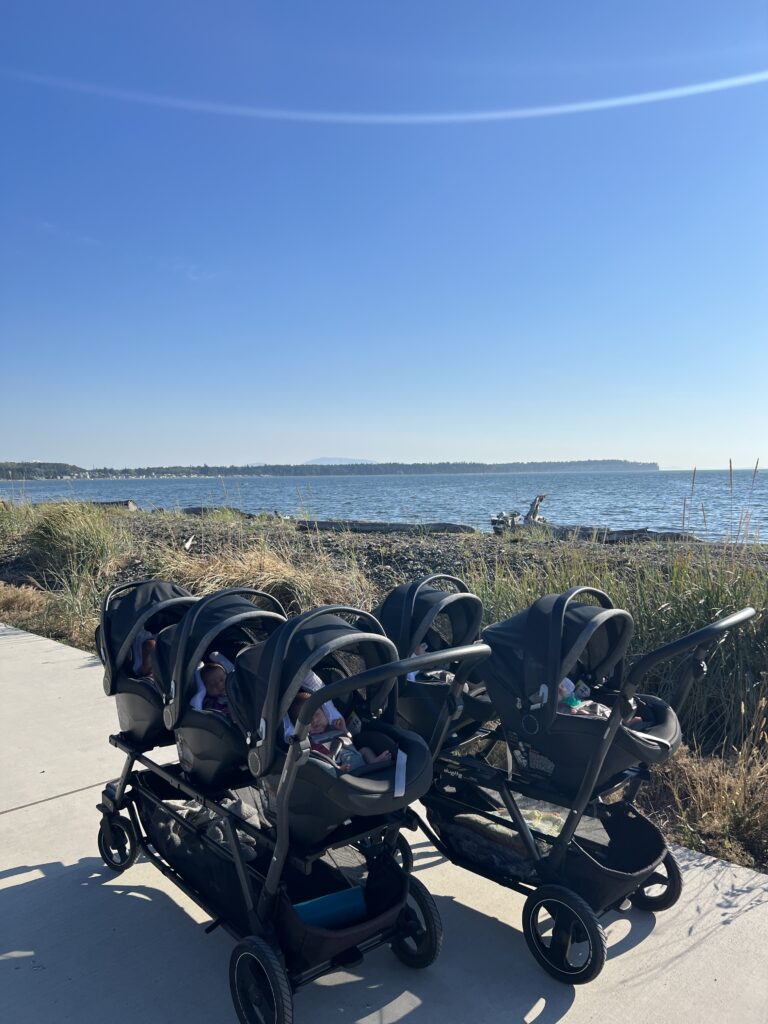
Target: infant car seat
265,683
212,749
532,652
128,611
423,612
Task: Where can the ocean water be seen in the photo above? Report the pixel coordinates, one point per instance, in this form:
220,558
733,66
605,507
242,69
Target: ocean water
660,500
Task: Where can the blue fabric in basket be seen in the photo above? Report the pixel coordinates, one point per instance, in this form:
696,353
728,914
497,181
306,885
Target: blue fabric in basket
336,910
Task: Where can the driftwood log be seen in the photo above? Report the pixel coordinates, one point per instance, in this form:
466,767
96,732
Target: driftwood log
532,515
511,521
361,526
129,503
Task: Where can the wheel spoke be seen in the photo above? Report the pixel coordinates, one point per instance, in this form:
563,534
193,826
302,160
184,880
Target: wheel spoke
562,936
655,879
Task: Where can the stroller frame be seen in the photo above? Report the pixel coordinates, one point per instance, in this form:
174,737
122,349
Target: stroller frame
121,838
546,875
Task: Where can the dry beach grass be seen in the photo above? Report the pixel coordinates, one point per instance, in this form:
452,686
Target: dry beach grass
56,561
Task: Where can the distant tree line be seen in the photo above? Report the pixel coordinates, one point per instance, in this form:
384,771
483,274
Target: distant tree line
38,470
53,470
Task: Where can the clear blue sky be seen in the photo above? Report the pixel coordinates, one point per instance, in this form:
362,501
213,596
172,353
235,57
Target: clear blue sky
203,285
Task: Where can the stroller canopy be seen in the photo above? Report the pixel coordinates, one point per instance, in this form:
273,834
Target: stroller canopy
268,677
423,611
227,622
127,610
554,638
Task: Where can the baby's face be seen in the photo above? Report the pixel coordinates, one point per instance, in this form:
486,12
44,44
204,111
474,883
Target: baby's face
216,682
319,722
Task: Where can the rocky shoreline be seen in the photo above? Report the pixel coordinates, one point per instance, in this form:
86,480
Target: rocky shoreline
386,557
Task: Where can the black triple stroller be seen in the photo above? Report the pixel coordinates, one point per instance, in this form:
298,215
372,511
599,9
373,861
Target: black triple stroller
553,817
294,857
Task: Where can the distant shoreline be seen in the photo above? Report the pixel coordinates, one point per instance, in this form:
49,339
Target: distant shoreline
20,471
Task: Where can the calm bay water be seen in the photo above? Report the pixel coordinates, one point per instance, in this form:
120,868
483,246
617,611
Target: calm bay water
606,499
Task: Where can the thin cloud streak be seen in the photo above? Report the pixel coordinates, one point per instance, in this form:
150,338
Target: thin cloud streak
375,120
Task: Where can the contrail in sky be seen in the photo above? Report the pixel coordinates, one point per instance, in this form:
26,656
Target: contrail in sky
352,118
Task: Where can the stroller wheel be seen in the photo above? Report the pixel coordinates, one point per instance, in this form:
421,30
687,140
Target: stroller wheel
420,937
662,889
564,934
119,849
404,854
259,984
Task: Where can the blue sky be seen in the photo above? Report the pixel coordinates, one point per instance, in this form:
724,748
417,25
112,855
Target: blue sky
187,282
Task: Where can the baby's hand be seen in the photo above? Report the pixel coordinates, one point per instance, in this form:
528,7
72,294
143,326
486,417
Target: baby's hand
343,767
340,724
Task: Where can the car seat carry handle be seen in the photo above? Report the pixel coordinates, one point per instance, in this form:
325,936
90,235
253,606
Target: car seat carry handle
147,614
372,625
577,647
272,602
698,642
189,621
406,640
557,624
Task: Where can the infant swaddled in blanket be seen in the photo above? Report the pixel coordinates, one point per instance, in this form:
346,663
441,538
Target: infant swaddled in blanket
336,744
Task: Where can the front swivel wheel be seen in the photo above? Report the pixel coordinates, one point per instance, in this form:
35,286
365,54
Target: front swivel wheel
117,842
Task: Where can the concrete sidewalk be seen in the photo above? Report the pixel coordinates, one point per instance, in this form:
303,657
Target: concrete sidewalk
80,944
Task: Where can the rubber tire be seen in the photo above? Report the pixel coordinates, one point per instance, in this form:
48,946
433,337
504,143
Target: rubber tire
271,980
426,949
405,858
671,894
590,926
124,825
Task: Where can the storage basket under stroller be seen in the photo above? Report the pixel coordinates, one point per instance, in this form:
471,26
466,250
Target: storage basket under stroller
198,852
609,857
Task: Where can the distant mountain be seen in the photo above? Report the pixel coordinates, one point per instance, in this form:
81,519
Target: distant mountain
338,460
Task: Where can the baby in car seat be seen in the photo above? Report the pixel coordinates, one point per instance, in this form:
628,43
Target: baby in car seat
214,677
312,683
570,702
436,675
211,682
143,646
339,748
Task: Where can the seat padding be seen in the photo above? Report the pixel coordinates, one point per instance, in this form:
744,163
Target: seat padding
322,800
140,711
660,723
212,750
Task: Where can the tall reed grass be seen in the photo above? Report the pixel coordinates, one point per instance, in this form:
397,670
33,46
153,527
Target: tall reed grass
670,590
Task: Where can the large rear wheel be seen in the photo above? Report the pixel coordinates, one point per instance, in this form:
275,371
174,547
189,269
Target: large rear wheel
261,990
564,934
404,854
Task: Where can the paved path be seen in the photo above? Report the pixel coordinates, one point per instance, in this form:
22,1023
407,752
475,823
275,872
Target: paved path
78,944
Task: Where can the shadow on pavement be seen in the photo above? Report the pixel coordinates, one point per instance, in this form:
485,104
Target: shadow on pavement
79,943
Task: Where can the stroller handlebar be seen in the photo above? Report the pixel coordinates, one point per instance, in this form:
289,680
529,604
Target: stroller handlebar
695,641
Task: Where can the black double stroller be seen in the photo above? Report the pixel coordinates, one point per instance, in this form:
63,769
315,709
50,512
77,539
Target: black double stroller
531,792
296,858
